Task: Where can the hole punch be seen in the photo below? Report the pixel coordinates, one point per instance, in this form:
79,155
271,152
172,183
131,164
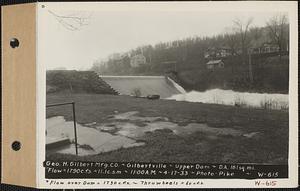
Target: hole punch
14,43
16,145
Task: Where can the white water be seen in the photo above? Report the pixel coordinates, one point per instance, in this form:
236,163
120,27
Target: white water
177,86
229,97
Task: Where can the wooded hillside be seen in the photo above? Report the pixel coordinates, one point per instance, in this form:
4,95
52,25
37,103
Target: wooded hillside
254,59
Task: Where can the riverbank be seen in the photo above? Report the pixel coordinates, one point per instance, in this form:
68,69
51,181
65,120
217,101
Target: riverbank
264,137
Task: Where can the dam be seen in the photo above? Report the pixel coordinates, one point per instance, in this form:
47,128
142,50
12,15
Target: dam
146,85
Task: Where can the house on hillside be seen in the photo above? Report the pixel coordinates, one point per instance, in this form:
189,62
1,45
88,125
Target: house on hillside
224,52
268,47
264,48
217,52
137,60
214,64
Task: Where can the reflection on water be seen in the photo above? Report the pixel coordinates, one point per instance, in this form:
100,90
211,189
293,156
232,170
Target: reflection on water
229,97
90,140
122,131
125,126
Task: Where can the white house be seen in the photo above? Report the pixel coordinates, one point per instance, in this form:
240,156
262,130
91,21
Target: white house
212,64
137,60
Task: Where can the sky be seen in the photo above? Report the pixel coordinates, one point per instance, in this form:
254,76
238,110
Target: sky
112,30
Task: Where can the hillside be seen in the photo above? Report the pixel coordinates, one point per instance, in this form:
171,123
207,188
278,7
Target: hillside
268,76
72,81
185,61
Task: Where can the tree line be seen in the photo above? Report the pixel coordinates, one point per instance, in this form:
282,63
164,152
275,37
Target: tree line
186,62
190,51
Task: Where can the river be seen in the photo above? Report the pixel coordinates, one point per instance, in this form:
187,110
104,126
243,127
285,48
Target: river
242,99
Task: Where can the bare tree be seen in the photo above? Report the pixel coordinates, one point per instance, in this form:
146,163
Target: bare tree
71,22
231,39
242,28
256,33
278,31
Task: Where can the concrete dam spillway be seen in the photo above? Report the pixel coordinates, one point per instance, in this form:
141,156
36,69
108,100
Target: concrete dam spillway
146,85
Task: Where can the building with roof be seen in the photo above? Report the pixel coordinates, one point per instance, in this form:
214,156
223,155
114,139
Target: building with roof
137,60
213,64
217,52
264,48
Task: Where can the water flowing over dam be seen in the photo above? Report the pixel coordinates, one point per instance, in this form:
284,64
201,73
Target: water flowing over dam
145,85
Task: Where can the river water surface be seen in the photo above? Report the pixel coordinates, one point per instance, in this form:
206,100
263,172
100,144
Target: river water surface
123,131
229,97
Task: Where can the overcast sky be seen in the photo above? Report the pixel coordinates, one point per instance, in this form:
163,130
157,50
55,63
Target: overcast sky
112,31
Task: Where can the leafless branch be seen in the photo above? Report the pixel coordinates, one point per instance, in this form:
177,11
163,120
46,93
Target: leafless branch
72,23
277,29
